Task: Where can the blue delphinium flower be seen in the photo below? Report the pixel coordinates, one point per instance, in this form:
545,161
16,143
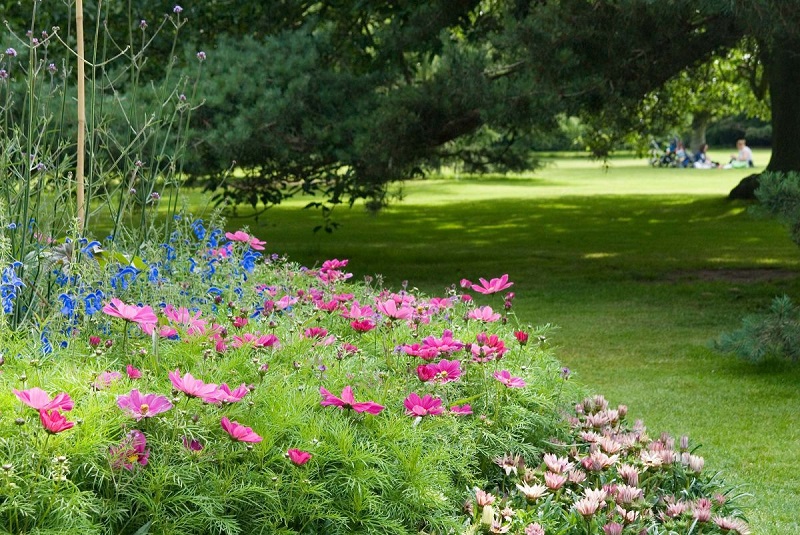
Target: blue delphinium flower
68,303
248,261
93,302
124,277
9,286
213,237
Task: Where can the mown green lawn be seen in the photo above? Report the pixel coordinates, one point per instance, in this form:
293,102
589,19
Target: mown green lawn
639,268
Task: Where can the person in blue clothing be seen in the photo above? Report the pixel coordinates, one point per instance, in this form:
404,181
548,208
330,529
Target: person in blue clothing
701,159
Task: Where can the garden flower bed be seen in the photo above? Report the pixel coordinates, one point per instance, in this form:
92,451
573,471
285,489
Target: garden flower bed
205,386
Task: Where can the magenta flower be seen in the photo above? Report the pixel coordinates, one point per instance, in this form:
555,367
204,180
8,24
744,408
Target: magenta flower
493,286
257,340
347,401
425,406
133,373
442,372
504,376
131,451
244,237
445,344
225,394
362,326
315,332
140,406
357,312
298,457
420,350
484,314
192,445
522,337
182,316
238,432
390,309
40,400
53,421
194,388
461,410
132,313
487,347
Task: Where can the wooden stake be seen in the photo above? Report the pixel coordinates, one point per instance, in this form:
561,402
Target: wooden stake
80,171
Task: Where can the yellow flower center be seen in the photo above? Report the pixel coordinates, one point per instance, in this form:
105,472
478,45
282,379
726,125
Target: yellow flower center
144,408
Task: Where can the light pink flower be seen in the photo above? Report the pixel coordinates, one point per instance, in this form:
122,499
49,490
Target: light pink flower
587,506
504,376
142,315
532,492
347,401
192,387
461,410
238,432
424,406
105,379
444,345
298,457
390,309
140,406
484,314
53,421
40,400
490,287
554,481
534,529
244,237
357,312
256,340
181,316
224,394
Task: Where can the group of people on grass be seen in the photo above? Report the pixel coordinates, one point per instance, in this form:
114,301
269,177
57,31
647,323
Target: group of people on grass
700,159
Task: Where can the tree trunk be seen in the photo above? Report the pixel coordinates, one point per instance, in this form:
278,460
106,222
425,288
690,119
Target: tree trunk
700,123
783,71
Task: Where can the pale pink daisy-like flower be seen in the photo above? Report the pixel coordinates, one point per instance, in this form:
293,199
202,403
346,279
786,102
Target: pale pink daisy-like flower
676,509
484,314
597,461
627,494
599,495
38,399
534,529
613,528
347,401
556,464
238,432
730,524
587,506
422,406
532,492
483,498
504,376
138,405
510,463
493,286
576,476
554,481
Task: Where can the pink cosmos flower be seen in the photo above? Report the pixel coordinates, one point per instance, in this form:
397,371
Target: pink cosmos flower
105,379
442,372
132,313
194,388
421,351
461,410
132,450
522,337
327,306
239,322
133,373
488,347
347,401
490,287
225,394
390,309
357,312
94,341
298,457
244,237
315,332
362,326
138,406
192,445
39,399
285,302
504,376
484,314
444,345
238,432
181,316
425,406
53,421
257,340
425,372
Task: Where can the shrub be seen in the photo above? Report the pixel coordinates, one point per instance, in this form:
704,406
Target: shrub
773,334
351,408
